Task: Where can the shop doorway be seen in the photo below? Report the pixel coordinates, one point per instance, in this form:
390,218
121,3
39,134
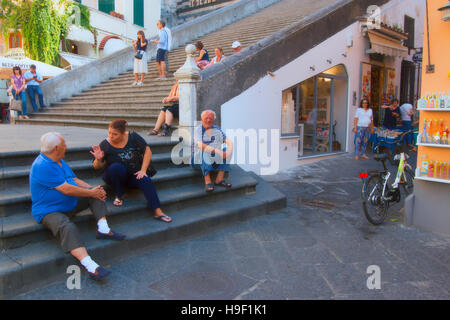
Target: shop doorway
316,111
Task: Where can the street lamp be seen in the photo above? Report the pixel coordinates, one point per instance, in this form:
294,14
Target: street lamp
445,12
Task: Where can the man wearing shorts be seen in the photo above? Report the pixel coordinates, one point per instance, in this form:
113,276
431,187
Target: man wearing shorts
163,48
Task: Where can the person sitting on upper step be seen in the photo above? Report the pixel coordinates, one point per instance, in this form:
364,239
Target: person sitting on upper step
236,46
218,58
57,195
126,157
168,112
211,151
203,57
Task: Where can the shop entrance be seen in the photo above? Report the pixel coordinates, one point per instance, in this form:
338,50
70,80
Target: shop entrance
316,111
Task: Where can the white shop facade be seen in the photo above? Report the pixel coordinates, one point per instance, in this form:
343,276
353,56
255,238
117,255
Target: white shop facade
312,100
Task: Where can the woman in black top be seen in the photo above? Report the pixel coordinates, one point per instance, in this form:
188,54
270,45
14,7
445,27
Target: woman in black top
126,157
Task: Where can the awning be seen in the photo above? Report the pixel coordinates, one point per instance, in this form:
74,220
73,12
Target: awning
44,69
386,45
81,35
74,60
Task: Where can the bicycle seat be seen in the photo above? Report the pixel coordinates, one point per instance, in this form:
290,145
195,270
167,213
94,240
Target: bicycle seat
380,157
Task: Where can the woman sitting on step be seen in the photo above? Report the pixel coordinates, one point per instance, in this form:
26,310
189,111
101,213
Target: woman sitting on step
169,111
218,58
212,151
126,157
203,58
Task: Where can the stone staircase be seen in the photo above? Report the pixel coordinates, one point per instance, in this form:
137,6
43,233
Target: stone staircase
140,106
31,257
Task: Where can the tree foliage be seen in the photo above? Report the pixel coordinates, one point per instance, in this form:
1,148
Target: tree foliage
42,23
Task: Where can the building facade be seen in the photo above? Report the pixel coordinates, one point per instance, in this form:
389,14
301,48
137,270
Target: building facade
312,100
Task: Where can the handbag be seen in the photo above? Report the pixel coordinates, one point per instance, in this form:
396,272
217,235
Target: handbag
15,105
139,54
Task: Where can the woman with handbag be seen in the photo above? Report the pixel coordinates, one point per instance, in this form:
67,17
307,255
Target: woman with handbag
18,90
140,58
126,157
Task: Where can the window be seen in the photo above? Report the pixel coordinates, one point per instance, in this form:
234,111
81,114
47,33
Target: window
15,40
138,7
106,6
409,28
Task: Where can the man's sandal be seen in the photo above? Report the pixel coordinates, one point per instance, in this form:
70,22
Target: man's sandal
165,132
118,202
209,187
223,183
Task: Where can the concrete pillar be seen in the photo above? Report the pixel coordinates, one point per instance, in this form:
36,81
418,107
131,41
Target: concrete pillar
188,76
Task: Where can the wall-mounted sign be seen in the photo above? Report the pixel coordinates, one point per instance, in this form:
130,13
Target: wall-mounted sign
16,53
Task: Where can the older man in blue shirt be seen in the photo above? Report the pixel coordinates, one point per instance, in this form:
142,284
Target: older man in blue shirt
163,48
57,195
34,79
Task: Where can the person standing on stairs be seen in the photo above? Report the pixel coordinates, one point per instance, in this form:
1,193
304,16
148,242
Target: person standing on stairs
169,111
126,158
34,79
140,59
163,48
57,195
18,84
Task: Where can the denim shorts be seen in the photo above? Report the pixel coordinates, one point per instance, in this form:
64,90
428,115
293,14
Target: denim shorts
161,55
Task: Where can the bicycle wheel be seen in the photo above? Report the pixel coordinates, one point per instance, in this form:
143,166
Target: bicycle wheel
408,184
375,208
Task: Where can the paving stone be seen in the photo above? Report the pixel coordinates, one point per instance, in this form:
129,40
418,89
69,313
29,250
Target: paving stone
344,278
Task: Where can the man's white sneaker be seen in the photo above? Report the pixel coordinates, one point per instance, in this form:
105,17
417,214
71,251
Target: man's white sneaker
139,83
134,84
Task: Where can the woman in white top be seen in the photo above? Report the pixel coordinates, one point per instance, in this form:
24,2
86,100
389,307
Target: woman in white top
218,58
363,128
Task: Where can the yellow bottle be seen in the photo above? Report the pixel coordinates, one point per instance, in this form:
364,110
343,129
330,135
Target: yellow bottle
424,165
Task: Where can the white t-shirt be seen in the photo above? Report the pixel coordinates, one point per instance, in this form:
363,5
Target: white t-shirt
364,117
405,109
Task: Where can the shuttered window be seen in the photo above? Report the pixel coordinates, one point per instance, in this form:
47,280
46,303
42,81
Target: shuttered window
106,6
138,12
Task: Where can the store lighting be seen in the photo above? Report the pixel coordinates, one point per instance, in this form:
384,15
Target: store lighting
445,12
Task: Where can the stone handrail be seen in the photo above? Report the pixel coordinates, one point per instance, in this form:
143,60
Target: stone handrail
224,81
96,72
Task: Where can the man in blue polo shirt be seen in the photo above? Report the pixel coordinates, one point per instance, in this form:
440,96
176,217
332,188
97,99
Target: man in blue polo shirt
33,80
57,195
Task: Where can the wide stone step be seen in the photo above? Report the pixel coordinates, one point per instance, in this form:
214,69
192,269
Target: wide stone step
43,261
18,198
118,99
185,189
130,117
125,91
160,94
136,126
150,110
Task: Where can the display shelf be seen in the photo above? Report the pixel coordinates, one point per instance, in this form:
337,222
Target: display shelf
425,178
433,145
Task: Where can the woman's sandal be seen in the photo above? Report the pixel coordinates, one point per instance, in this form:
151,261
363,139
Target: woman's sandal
165,132
152,133
118,202
209,187
223,183
164,218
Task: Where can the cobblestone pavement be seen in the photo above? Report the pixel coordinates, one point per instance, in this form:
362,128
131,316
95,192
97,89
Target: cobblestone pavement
319,247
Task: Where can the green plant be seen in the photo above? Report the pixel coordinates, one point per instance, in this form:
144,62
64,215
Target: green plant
43,23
